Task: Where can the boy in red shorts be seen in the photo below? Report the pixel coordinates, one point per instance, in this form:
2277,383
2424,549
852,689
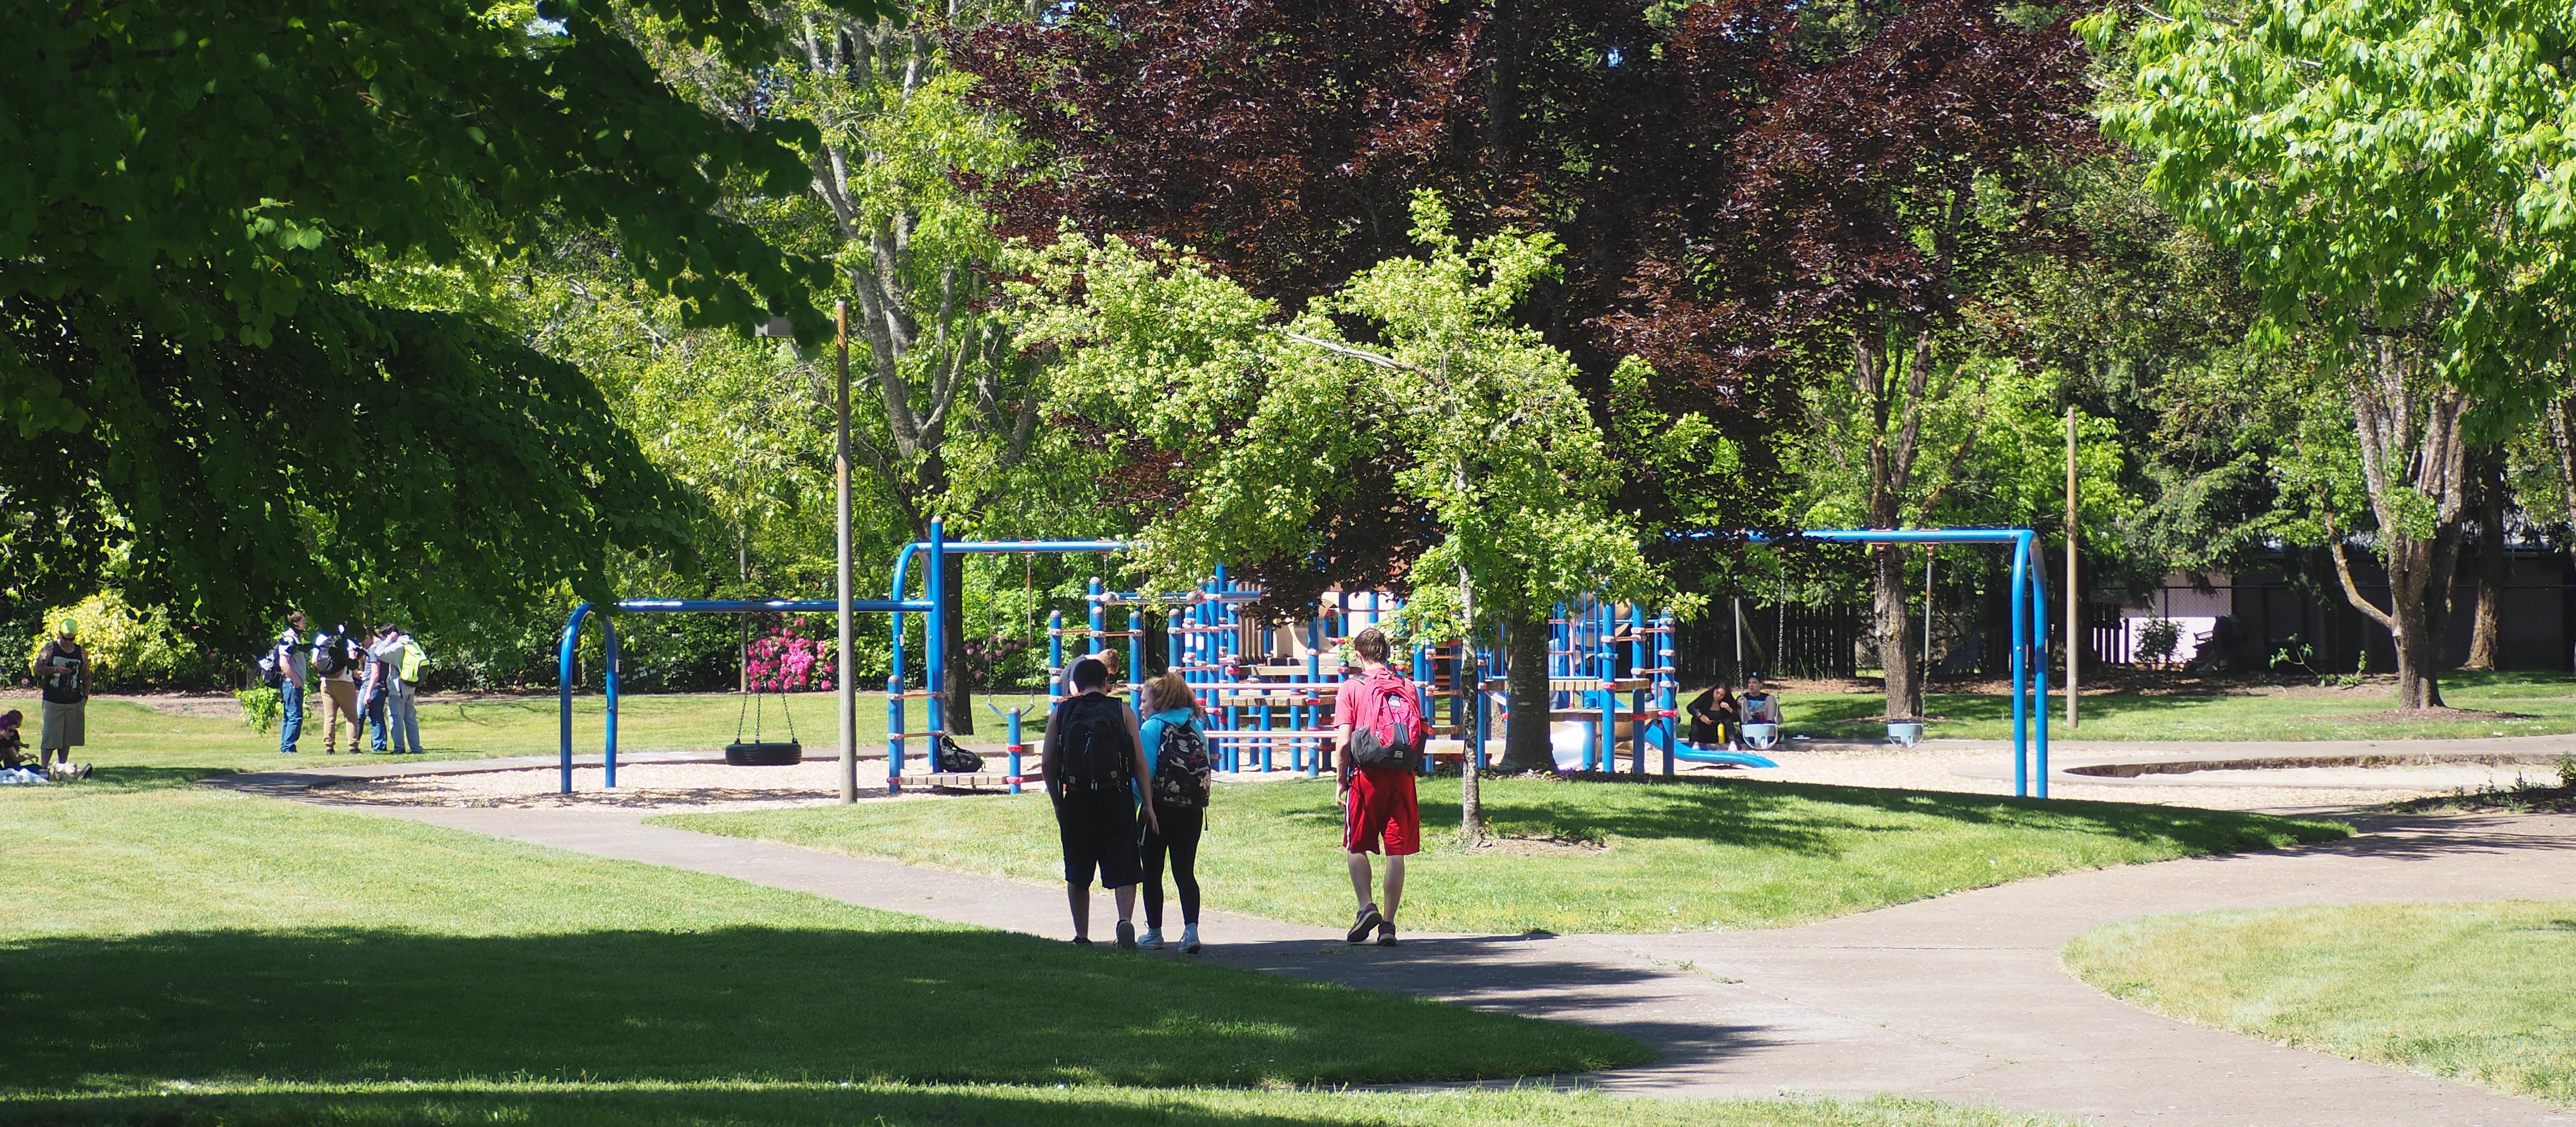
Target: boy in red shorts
1378,810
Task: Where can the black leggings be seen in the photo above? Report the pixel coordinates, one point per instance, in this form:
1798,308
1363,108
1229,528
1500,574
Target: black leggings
1181,826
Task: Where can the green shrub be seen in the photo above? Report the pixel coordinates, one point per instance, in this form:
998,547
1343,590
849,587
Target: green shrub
261,707
128,649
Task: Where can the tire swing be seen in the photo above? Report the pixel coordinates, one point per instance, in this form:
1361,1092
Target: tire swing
756,752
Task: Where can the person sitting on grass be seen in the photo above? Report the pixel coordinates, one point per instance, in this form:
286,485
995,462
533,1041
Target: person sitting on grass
1761,706
13,752
1716,717
1093,757
13,746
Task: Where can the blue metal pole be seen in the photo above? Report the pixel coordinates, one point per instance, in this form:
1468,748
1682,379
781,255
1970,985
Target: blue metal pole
1667,695
1310,716
1014,748
565,656
608,658
1055,658
1099,618
2020,673
934,665
2038,668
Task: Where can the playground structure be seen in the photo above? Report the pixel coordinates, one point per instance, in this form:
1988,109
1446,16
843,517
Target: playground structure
1268,689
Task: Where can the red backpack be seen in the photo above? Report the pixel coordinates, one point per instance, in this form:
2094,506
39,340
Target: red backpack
1397,732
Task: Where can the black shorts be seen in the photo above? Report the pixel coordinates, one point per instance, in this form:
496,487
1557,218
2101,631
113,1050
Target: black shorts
1098,828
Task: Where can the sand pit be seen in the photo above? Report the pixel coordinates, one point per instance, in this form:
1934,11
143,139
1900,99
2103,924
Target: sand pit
1972,769
658,785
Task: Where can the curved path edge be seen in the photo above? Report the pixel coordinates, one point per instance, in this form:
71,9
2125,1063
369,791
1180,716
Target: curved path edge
1960,998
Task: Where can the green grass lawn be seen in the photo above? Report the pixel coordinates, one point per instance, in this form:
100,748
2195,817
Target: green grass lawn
2481,992
2547,700
1581,856
131,741
170,956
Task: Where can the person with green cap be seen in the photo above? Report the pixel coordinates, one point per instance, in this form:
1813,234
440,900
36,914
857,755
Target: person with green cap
62,674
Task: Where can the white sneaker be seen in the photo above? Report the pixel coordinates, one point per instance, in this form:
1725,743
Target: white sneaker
1189,939
1152,940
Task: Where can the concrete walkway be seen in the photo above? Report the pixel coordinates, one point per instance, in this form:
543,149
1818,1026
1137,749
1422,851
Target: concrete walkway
1959,998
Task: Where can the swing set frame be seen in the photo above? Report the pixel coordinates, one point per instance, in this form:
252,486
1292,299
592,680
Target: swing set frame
2029,638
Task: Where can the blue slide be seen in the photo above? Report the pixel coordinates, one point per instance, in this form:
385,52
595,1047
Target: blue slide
1697,754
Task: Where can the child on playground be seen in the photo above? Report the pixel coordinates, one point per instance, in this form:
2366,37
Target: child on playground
1175,741
1761,706
1379,812
1093,758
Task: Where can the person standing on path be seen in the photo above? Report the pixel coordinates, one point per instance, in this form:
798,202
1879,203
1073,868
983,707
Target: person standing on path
402,661
1093,757
374,688
1175,739
337,659
62,676
1381,744
289,656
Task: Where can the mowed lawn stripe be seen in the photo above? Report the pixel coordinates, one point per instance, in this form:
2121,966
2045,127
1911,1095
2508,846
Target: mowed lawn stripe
158,936
1577,856
2481,992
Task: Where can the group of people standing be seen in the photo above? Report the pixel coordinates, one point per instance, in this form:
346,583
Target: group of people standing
367,679
1131,791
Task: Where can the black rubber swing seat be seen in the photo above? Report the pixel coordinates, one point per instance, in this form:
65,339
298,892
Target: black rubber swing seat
765,754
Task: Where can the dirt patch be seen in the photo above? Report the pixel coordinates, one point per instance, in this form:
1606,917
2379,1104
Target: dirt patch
2431,715
1536,845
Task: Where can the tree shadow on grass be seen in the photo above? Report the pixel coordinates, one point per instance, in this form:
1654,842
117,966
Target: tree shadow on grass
1820,820
823,1104
736,1004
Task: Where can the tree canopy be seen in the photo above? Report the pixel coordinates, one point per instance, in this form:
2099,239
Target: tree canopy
206,405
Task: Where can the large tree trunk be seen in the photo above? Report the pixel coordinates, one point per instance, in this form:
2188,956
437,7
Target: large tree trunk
2488,625
1525,734
1896,634
958,681
2413,464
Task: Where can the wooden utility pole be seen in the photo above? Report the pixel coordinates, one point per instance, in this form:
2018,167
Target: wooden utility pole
2074,605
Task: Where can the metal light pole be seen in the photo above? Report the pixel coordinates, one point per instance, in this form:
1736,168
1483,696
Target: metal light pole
2074,617
841,546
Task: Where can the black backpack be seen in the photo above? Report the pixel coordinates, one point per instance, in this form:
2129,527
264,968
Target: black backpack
1091,741
1181,768
955,760
331,656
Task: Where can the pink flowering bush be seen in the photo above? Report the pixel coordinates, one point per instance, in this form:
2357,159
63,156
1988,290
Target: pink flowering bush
793,657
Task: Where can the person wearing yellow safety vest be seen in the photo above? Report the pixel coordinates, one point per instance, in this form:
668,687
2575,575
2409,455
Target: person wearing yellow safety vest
403,660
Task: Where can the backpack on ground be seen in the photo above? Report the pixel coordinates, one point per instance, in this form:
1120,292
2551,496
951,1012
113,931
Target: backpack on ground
1397,732
331,656
1091,741
955,760
1181,767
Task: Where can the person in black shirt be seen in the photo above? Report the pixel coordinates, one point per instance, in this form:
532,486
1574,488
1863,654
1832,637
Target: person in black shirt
1716,717
62,672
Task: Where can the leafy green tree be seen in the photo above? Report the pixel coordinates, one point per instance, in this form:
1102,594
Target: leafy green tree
1272,416
202,404
945,414
2394,178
